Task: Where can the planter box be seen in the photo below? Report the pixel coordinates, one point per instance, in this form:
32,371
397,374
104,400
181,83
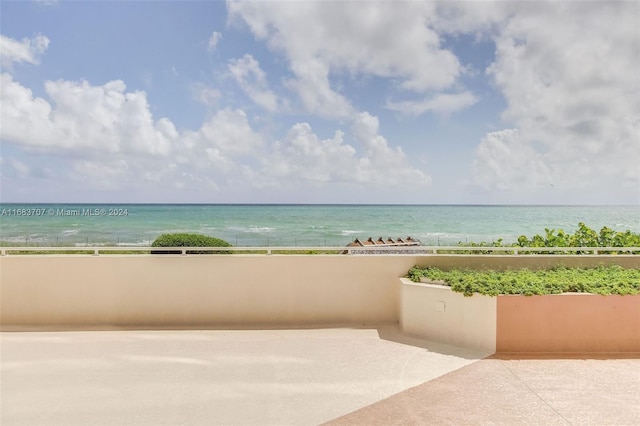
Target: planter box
563,323
434,312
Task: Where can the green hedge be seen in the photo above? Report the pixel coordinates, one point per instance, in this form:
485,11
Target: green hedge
189,240
603,280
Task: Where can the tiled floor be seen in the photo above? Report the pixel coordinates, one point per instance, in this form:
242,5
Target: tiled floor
579,391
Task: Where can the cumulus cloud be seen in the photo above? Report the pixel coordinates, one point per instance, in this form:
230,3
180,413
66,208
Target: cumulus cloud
100,137
381,163
320,38
27,50
204,94
229,131
47,2
214,40
83,117
302,156
109,174
568,72
19,168
105,137
253,81
443,103
505,161
572,93
314,90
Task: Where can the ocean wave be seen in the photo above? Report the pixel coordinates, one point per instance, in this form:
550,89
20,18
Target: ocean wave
349,232
204,228
453,238
251,229
24,239
144,243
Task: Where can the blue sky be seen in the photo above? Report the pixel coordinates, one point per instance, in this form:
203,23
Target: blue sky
320,102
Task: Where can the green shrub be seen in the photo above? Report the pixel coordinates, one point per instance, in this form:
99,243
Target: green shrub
582,237
189,240
603,280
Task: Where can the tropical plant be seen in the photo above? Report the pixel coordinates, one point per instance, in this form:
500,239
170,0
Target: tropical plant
582,237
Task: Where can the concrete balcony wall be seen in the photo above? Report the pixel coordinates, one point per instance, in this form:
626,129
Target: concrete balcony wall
165,291
198,290
437,313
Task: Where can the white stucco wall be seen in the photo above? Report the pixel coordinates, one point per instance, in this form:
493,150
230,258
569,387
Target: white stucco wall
199,290
437,313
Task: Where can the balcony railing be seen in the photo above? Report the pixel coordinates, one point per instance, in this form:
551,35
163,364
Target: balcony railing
358,250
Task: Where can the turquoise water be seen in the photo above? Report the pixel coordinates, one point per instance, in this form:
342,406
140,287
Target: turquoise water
296,225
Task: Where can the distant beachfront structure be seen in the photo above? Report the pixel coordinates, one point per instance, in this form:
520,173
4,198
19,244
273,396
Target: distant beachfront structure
381,242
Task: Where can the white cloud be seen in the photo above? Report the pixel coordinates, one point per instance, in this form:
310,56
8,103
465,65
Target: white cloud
23,118
109,174
302,156
475,17
320,38
206,95
250,77
569,73
27,50
83,118
228,131
106,138
505,161
214,40
16,168
99,137
443,103
382,164
47,2
314,89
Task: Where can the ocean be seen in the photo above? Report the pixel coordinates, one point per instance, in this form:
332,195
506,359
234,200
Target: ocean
296,225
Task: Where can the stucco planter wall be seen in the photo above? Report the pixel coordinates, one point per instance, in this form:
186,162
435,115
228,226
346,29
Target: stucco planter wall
562,323
568,323
435,312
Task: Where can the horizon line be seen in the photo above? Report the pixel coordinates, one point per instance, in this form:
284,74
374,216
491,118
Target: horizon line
316,204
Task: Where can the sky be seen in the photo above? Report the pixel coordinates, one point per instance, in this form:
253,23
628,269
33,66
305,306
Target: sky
470,102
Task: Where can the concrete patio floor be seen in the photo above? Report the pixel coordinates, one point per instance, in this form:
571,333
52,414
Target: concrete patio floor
578,391
346,376
241,377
